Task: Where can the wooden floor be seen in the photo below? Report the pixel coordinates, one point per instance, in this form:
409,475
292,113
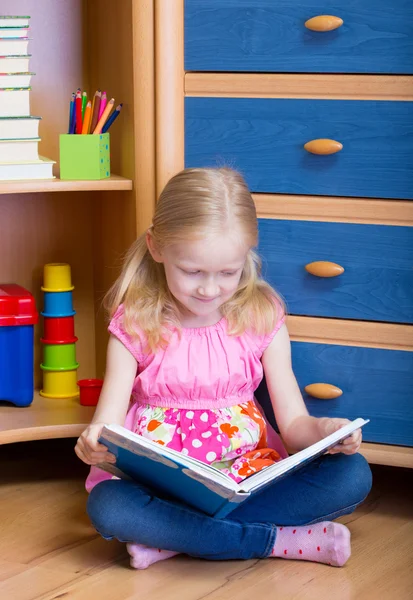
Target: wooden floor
49,551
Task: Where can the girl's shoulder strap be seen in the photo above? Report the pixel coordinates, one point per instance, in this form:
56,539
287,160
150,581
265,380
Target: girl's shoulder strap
262,341
135,342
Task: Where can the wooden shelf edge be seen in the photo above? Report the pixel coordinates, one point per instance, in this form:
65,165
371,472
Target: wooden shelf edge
42,433
114,182
394,456
44,419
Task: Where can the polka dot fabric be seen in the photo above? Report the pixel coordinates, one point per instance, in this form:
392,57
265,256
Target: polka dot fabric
104,156
233,440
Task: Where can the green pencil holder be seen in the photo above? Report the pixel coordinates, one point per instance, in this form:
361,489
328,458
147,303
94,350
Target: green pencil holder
84,156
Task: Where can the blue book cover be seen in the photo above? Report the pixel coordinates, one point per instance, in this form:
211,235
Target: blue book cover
195,483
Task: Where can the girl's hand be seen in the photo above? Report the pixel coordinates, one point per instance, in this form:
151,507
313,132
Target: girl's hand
88,448
350,445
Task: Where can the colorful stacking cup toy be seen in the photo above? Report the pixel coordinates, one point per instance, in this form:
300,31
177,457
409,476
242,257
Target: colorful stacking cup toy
57,278
59,384
59,364
59,330
59,357
58,304
89,391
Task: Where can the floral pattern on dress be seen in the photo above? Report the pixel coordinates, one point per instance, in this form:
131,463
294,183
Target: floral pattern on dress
233,440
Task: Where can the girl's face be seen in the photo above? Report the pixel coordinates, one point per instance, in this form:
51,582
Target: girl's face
203,274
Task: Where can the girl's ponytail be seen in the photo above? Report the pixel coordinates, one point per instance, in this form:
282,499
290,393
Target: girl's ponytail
135,259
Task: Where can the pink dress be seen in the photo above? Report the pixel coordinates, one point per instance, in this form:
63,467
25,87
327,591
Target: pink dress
197,397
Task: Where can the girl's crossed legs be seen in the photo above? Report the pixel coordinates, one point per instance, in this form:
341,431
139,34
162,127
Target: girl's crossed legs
327,488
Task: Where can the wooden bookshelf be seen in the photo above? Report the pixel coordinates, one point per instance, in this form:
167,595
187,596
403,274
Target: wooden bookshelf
43,221
44,419
114,182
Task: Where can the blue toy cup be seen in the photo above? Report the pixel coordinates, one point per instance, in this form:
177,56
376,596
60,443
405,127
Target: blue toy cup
58,304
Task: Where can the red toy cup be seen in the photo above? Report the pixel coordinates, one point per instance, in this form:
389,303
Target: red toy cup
89,391
59,330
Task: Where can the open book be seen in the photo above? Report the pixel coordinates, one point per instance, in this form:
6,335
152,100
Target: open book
194,482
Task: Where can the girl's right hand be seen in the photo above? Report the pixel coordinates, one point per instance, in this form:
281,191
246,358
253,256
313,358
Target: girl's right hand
88,448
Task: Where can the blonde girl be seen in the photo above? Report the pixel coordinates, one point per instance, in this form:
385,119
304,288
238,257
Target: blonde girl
193,328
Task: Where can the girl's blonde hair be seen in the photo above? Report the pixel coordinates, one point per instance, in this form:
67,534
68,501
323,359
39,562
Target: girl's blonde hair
194,204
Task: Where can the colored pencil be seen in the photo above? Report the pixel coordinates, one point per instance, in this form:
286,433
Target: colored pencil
95,113
73,130
78,112
86,118
73,127
84,102
112,117
102,104
103,118
71,112
91,114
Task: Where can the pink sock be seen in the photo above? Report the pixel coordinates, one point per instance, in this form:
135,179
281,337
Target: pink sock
325,542
141,557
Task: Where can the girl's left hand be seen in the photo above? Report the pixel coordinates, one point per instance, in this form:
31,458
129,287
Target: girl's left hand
350,445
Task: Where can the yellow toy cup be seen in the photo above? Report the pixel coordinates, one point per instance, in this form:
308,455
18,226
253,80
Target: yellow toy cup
57,278
59,384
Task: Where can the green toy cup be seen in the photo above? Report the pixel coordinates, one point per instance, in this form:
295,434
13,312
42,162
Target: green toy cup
59,357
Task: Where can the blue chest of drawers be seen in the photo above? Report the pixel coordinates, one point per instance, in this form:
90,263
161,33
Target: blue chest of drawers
263,78
351,332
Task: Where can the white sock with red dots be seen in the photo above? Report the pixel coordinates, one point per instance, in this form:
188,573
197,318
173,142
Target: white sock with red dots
324,542
141,557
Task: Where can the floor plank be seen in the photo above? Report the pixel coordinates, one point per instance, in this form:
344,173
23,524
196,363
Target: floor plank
48,549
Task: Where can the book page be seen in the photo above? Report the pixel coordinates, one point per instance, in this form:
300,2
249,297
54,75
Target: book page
141,446
300,458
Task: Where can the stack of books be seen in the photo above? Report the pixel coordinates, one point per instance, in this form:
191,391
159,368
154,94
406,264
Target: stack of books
19,131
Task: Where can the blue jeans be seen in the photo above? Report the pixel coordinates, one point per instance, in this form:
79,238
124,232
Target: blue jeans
327,488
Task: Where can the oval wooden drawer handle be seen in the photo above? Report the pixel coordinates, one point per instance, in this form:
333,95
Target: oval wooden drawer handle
323,146
324,23
323,391
323,268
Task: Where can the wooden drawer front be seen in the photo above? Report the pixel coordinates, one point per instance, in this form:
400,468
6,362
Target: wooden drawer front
270,36
264,138
377,282
376,384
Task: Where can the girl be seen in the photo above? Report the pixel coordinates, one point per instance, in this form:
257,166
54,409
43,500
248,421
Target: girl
193,328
